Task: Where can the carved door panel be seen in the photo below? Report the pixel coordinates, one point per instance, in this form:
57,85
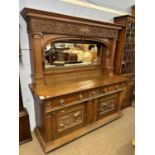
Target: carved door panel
107,105
69,119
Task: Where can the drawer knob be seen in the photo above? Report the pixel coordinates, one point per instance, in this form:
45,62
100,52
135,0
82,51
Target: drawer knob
62,102
62,111
61,125
81,96
117,87
94,92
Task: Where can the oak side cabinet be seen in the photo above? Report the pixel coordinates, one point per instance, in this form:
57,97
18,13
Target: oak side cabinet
24,125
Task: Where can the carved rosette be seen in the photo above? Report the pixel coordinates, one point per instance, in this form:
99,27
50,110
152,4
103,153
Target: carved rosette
59,27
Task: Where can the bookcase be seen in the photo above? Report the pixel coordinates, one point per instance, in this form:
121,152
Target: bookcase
125,54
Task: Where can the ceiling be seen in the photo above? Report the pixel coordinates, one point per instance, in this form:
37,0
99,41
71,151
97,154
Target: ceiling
116,7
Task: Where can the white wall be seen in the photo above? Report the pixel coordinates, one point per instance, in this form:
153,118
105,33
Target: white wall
63,8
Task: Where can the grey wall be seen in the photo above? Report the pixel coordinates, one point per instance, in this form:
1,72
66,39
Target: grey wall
63,8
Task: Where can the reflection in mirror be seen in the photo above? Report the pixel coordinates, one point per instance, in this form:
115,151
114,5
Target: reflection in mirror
71,53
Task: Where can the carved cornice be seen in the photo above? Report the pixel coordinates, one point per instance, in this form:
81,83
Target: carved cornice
59,27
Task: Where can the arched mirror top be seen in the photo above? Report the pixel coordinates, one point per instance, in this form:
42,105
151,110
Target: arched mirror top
72,53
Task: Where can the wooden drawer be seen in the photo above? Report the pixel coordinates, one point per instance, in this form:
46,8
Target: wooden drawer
66,99
111,88
69,119
87,94
94,92
107,105
105,89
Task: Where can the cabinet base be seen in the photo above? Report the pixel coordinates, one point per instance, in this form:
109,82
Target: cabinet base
65,139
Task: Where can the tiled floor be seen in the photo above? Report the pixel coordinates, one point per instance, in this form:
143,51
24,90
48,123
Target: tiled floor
114,138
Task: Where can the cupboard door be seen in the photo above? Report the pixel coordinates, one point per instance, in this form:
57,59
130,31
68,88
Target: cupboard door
107,105
128,95
69,119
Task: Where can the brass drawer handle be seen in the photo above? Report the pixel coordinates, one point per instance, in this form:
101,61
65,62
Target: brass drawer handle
62,102
62,111
94,92
61,125
81,96
117,87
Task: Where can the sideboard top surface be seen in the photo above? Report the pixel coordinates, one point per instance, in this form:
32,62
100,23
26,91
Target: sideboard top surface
50,91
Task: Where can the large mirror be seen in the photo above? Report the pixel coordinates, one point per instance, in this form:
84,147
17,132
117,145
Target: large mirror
71,53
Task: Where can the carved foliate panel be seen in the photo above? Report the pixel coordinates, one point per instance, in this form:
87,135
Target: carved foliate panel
48,26
58,27
105,106
69,120
100,32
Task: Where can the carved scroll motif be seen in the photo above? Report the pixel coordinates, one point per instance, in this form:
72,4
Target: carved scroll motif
58,27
